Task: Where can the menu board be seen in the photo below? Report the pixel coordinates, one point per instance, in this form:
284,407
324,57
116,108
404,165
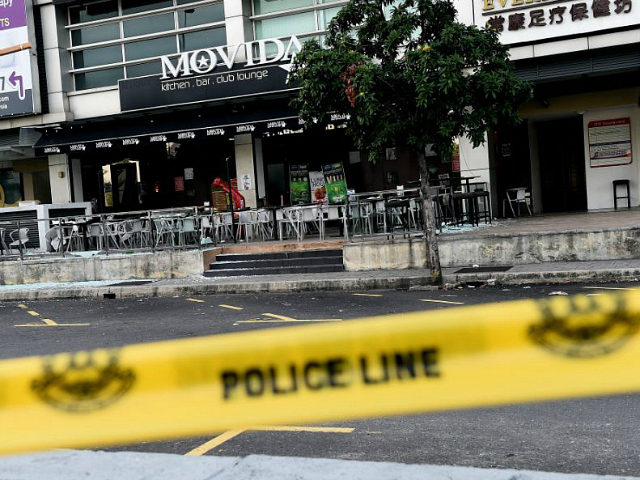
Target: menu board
299,184
318,188
610,142
336,183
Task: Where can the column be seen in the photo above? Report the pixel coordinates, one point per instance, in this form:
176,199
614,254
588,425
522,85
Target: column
245,169
59,179
238,23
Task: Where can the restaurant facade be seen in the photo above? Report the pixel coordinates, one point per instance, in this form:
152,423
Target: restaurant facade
144,103
136,104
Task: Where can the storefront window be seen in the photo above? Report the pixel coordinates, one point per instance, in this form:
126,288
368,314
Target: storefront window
191,17
123,26
152,24
304,18
98,78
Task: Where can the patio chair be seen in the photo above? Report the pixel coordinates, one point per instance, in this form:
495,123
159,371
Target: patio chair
312,219
55,238
164,231
72,238
516,196
265,224
222,226
247,224
19,238
95,232
186,228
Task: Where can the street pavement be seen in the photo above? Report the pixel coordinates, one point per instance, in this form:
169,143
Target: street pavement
590,436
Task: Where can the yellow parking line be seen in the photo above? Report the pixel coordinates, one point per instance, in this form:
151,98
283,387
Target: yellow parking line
226,436
230,307
366,294
195,300
33,314
441,301
53,325
304,429
213,443
48,321
280,317
22,305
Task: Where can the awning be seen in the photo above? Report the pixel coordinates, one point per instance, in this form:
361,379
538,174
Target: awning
179,126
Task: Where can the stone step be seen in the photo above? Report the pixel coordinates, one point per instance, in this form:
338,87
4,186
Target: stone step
276,262
235,272
232,257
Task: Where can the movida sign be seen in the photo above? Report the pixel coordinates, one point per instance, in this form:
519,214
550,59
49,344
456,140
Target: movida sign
203,61
217,73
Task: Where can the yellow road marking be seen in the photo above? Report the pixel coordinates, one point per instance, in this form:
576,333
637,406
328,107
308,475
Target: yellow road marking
228,435
273,318
366,294
48,321
22,305
230,307
441,301
613,288
195,300
54,325
33,314
304,429
279,317
213,443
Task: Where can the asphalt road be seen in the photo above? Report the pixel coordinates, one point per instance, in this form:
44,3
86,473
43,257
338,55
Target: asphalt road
588,436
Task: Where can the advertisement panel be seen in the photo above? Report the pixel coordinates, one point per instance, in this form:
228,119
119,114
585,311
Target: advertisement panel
16,67
336,182
299,184
318,188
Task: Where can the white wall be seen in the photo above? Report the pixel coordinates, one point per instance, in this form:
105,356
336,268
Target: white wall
474,162
599,180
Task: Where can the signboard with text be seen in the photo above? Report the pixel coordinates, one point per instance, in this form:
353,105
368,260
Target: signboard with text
610,142
16,66
216,73
523,21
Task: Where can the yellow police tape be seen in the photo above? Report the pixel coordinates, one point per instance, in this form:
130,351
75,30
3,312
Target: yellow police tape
416,362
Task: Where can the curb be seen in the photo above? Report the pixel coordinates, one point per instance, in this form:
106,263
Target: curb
284,286
535,278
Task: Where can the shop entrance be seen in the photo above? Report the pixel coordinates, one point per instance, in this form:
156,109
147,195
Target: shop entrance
562,169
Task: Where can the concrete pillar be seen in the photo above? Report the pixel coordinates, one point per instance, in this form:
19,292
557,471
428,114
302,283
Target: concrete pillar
59,179
239,29
536,180
55,41
245,166
260,182
475,162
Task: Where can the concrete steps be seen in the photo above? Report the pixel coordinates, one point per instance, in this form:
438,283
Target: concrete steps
273,263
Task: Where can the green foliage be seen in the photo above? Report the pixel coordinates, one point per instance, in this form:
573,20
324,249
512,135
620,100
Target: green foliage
408,75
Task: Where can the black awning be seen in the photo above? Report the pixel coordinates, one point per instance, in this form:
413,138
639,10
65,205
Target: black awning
178,126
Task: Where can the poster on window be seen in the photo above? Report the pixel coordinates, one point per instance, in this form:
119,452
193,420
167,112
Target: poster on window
610,142
299,184
10,189
318,188
336,182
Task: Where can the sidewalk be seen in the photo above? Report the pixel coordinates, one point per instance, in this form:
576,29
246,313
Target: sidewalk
556,272
80,465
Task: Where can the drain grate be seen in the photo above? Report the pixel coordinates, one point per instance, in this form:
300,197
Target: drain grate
484,269
131,283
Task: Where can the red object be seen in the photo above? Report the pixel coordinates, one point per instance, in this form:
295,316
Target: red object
238,200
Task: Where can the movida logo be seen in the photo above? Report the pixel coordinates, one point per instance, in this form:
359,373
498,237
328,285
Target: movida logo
199,62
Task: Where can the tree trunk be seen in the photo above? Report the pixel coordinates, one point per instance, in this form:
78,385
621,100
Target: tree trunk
433,254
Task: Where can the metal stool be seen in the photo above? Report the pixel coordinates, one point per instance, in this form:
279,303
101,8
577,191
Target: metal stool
616,184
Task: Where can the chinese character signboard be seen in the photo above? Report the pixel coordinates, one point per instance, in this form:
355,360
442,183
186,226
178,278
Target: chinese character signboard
522,21
610,142
16,66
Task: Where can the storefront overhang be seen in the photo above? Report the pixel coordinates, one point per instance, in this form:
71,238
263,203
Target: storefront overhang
179,126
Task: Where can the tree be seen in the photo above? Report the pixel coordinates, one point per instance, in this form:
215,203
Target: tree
408,75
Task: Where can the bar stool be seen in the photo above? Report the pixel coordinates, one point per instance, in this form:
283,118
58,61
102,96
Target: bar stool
621,183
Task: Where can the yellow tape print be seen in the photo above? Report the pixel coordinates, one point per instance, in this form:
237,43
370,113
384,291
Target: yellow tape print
416,362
